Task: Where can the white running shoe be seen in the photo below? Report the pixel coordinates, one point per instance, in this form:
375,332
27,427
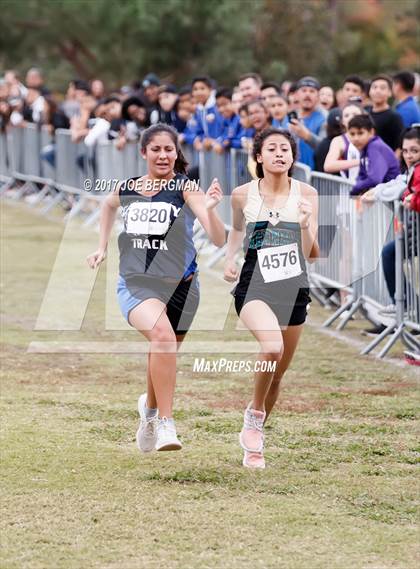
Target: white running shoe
166,435
146,436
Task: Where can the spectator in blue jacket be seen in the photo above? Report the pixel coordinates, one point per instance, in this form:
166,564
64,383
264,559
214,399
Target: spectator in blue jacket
310,126
247,132
231,126
207,121
402,89
277,107
378,162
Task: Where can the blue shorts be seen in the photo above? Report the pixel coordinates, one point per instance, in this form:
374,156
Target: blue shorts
181,299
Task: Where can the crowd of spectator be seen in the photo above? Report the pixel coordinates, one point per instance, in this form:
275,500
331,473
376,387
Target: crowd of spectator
219,118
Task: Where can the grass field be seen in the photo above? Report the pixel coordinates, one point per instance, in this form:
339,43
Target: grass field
339,491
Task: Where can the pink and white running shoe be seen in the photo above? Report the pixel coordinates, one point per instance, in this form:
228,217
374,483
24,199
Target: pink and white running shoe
253,460
251,437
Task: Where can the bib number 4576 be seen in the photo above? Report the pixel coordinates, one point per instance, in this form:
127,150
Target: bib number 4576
279,263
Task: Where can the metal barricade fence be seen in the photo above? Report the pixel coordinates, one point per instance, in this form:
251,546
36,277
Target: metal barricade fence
302,172
407,284
239,173
141,163
5,174
68,161
411,268
377,228
336,232
15,150
47,169
31,159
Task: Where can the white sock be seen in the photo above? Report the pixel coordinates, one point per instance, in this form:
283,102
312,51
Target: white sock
150,412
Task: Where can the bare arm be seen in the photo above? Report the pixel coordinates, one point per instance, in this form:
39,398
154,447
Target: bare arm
333,163
203,206
308,220
236,234
109,209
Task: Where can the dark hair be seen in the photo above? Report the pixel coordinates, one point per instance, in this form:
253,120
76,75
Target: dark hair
410,133
185,90
202,79
243,107
181,164
127,103
225,92
357,80
271,84
109,99
254,76
406,79
381,77
259,140
293,88
362,121
352,104
334,104
81,85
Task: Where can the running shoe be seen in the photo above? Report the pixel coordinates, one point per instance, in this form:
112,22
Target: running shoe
166,435
251,437
253,460
147,432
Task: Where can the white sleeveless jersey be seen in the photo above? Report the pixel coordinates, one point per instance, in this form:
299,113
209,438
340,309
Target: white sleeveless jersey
273,243
255,209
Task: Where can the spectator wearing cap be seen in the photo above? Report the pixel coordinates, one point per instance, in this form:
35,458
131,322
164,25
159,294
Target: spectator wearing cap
310,125
231,126
402,89
150,85
388,123
206,125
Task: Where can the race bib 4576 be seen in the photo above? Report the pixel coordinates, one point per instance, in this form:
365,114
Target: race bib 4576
279,263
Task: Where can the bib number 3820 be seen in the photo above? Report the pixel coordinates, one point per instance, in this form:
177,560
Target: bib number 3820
279,263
